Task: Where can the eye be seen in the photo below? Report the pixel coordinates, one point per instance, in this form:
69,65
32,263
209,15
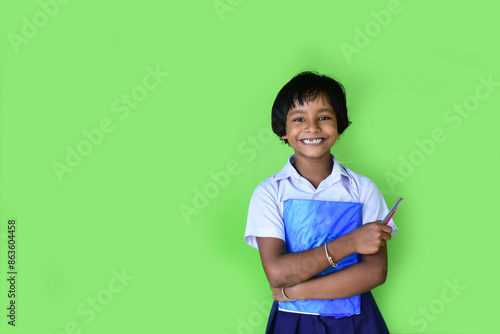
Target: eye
298,119
323,118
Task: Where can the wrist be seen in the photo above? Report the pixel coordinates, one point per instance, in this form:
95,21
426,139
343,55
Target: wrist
349,244
340,247
293,292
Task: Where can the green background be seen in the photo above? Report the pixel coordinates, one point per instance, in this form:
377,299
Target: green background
203,128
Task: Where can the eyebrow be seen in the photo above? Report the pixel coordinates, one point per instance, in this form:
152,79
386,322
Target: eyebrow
300,111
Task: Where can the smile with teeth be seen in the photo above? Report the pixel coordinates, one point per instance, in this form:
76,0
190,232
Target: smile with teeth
312,141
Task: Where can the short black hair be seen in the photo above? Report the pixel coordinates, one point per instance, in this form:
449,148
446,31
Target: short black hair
305,87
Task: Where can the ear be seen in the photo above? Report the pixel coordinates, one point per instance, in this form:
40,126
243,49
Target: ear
284,137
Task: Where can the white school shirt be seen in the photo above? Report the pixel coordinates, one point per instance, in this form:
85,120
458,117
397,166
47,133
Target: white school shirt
265,213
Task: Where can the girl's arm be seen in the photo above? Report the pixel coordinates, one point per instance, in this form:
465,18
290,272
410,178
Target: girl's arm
289,269
361,277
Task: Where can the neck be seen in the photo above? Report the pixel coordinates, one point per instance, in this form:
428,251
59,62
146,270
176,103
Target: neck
314,170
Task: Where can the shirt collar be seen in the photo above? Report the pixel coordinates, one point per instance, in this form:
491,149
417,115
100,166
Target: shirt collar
290,172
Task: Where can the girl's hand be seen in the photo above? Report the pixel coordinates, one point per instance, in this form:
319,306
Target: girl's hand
368,238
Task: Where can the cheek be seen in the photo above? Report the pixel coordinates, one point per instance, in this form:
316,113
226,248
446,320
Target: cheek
335,129
292,128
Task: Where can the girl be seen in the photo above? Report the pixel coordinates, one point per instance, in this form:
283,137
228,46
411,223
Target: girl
317,223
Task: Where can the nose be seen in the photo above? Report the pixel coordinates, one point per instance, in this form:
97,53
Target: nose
312,126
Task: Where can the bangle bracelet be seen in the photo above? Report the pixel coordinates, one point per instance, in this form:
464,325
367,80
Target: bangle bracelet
334,264
283,291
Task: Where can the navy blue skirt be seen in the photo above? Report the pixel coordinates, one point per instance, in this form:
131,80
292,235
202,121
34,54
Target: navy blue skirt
370,321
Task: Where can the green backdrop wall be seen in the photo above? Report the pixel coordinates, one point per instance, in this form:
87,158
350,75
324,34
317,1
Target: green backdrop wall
133,135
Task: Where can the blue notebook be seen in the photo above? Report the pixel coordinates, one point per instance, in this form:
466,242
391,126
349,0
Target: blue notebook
309,224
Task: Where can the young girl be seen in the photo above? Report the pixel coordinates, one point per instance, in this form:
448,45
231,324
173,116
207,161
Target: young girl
317,223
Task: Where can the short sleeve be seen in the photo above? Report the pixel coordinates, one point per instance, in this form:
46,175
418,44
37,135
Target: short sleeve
264,217
374,206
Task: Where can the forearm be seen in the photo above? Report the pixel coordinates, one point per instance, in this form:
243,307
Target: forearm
353,280
289,269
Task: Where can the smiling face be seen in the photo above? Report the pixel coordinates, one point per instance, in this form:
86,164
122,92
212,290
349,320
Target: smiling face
311,129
